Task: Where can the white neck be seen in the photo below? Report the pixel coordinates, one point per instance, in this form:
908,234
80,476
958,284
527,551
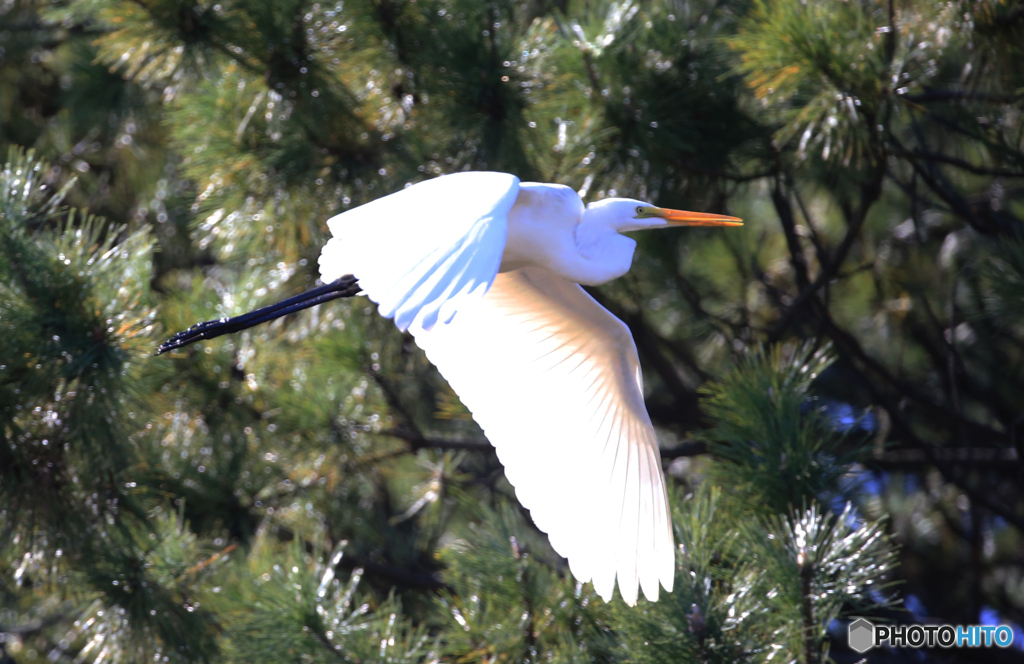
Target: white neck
548,227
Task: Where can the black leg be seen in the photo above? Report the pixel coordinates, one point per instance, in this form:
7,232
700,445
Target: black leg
346,286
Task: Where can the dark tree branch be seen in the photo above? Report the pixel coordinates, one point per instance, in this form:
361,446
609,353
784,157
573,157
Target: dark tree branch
679,350
418,441
959,163
950,365
830,265
952,472
976,456
911,191
694,298
407,578
961,95
819,246
687,448
775,294
981,217
848,346
902,459
737,178
395,403
786,219
811,642
325,642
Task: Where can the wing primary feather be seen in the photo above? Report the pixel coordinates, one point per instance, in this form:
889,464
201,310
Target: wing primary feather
649,524
668,562
628,533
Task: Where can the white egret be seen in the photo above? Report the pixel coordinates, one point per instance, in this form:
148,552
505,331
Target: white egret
485,271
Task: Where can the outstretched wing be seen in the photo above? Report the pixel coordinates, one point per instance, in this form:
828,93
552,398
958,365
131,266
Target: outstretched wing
554,381
421,251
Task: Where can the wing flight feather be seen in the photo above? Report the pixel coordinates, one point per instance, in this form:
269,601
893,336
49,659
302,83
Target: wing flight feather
553,379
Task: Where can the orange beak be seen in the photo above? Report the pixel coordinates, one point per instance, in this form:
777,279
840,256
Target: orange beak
684,218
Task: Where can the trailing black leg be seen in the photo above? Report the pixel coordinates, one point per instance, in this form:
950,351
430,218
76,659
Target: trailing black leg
346,286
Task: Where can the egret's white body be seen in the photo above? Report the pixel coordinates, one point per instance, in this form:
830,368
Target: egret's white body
484,272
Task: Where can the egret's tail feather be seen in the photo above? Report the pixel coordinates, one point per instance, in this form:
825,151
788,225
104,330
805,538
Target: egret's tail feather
346,286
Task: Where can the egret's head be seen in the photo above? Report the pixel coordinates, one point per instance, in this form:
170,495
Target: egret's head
607,253
626,214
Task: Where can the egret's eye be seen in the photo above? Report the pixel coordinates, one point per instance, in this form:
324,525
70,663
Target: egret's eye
639,210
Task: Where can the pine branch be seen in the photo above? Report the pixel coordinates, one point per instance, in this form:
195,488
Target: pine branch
418,441
810,623
996,458
959,163
685,449
962,95
796,253
408,578
819,246
395,403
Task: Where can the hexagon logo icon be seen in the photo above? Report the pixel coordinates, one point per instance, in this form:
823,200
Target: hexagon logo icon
862,635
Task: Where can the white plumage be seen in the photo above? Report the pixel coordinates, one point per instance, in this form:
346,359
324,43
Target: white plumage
485,273
418,252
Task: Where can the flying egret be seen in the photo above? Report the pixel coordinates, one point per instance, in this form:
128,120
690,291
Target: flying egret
484,271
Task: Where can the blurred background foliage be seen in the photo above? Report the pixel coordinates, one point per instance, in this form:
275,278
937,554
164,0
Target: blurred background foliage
838,388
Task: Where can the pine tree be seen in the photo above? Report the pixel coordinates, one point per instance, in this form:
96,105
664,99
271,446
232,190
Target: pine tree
837,387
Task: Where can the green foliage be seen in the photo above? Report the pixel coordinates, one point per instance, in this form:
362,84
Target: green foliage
776,450
147,575
122,591
820,66
666,96
71,320
74,319
294,608
752,589
506,603
814,568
